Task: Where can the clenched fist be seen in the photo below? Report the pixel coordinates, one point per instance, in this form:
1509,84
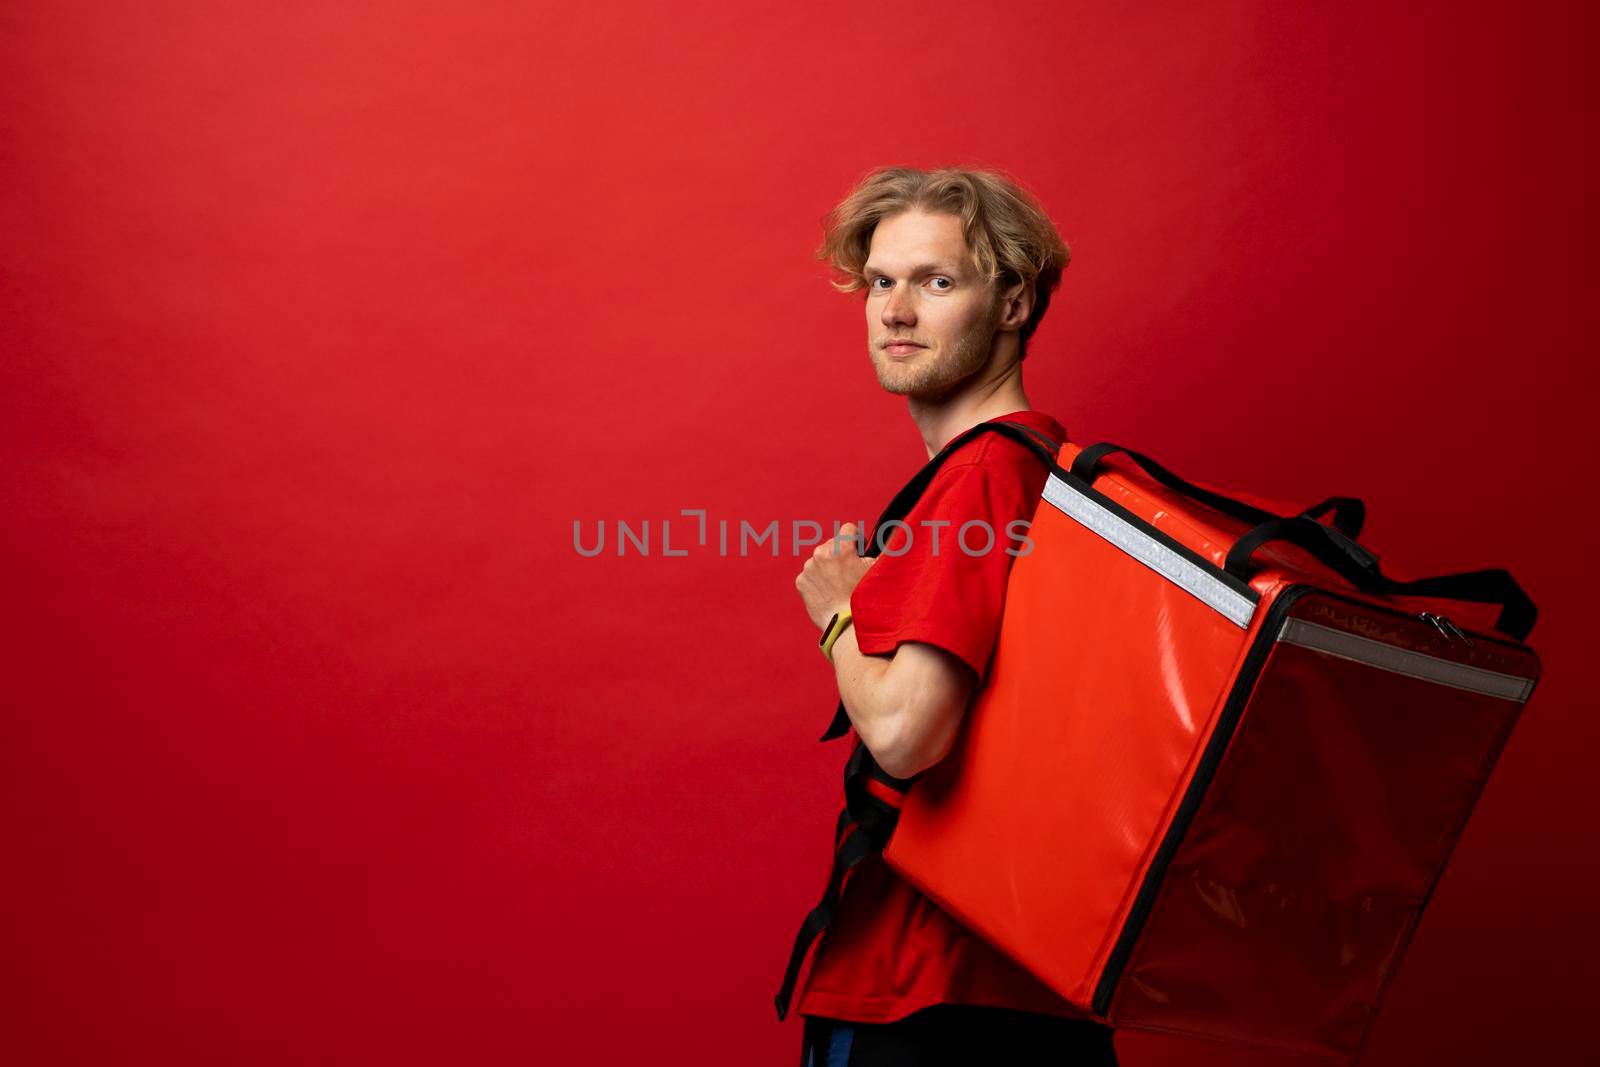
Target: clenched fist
830,575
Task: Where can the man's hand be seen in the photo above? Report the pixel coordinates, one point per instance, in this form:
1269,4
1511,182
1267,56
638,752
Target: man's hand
830,575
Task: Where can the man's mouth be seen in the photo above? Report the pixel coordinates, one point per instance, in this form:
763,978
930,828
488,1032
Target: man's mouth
902,348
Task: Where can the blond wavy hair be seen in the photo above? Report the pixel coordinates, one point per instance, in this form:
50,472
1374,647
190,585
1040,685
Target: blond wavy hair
1011,237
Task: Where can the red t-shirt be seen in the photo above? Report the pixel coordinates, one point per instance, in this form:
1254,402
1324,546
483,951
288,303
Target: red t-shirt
892,951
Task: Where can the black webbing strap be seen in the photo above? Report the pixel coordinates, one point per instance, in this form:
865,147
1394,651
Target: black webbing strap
864,828
852,851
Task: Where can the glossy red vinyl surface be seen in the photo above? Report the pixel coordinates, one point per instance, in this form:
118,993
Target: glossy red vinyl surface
1304,872
1039,826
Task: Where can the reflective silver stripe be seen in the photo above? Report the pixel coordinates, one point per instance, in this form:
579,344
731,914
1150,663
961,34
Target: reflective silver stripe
1404,661
1094,516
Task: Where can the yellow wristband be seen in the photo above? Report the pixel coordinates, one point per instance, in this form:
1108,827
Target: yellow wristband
835,627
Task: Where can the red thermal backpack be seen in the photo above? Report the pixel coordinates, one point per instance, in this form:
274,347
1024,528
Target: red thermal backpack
1218,763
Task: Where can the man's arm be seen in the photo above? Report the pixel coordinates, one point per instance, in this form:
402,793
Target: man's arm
906,708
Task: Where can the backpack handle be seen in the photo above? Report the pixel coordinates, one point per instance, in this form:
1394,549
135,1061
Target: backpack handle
1349,514
1517,610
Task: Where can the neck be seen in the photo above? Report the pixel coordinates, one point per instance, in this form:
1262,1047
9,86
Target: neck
940,419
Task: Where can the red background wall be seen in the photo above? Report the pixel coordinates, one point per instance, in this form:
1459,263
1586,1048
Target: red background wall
322,323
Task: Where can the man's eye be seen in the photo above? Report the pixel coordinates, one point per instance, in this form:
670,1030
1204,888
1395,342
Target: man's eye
874,282
947,282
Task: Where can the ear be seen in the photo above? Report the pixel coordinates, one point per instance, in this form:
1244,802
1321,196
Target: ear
1016,304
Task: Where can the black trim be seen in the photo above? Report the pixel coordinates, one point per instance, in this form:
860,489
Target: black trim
1227,725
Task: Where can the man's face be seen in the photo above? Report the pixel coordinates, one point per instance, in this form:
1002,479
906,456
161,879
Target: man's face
923,288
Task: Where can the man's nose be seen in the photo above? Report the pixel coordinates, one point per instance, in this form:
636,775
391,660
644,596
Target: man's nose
899,307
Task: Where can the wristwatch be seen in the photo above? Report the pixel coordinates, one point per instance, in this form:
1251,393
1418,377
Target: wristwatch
831,632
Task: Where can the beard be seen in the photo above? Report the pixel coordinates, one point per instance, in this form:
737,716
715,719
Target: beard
931,375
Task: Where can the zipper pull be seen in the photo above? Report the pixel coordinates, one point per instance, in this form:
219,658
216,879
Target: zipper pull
1456,630
1428,616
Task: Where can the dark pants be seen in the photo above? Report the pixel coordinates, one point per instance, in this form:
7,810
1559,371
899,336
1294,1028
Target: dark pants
948,1035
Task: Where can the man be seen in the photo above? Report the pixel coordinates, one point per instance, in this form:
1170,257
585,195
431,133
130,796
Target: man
957,268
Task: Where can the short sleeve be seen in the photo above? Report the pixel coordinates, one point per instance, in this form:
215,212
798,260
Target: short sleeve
941,578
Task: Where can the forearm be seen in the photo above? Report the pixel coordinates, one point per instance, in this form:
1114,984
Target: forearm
870,697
